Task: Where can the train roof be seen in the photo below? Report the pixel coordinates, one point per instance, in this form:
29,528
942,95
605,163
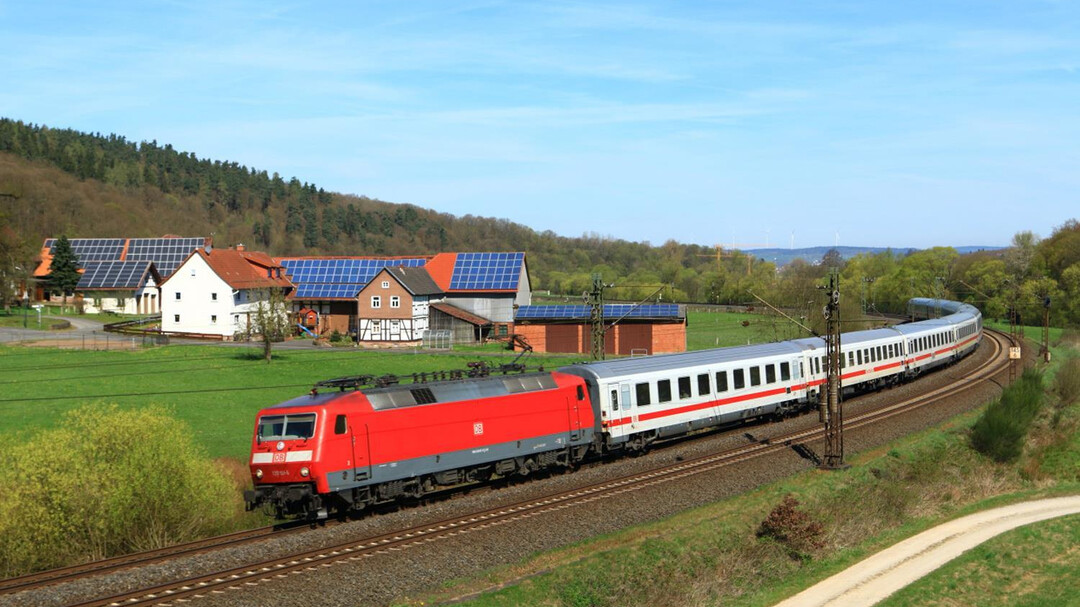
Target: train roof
667,362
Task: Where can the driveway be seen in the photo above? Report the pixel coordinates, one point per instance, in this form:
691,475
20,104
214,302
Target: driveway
877,577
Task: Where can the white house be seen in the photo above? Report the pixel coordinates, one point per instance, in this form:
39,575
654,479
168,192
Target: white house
215,291
125,287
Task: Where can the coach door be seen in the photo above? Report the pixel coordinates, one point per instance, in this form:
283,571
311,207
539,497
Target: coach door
618,398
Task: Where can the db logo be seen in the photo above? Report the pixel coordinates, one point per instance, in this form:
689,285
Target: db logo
279,458
478,428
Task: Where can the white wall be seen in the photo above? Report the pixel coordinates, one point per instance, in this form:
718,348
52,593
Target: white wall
197,307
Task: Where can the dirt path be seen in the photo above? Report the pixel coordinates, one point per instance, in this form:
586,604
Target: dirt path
877,577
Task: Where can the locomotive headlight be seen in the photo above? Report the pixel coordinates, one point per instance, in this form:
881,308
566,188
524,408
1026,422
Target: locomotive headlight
304,471
258,473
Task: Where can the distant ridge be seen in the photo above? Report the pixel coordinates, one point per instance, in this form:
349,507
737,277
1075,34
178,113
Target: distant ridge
784,256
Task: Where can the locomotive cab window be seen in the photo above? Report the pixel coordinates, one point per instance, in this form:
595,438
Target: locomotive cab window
340,425
580,393
287,427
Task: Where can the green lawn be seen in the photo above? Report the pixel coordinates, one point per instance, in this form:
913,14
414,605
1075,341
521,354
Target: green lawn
721,329
216,390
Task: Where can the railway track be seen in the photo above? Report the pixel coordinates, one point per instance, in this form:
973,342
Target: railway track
66,574
356,550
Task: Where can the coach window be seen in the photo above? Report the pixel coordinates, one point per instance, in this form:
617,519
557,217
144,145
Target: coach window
851,359
755,376
738,378
770,374
340,427
785,371
684,388
880,353
614,400
642,391
663,391
721,381
859,356
703,387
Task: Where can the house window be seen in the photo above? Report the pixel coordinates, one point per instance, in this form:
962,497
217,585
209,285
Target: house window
213,319
178,296
236,319
176,318
213,297
386,284
395,301
376,301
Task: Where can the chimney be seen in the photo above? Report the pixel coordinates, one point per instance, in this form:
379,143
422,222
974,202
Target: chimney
240,246
207,248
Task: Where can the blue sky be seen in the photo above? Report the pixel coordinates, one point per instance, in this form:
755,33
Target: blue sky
864,123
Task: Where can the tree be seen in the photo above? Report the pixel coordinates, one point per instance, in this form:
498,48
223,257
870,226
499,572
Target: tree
64,270
270,320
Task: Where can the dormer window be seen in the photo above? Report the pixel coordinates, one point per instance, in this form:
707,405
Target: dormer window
269,272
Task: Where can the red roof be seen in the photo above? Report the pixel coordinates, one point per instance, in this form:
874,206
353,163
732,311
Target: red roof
244,269
441,269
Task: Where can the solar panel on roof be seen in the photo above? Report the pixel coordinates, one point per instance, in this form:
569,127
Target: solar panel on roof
166,253
323,291
342,271
486,271
611,311
92,249
113,274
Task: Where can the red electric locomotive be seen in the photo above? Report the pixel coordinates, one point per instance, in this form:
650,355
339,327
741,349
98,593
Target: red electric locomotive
347,449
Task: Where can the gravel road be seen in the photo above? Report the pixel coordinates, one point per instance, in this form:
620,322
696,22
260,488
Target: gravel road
877,577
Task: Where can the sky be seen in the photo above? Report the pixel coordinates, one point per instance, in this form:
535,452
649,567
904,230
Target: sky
862,123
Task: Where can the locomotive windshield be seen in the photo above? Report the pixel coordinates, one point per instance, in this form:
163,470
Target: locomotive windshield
287,427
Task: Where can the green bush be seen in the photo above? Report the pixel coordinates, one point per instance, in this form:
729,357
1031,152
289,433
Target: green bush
107,481
1067,381
999,433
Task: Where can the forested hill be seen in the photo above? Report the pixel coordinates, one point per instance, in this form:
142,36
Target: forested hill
61,181
55,182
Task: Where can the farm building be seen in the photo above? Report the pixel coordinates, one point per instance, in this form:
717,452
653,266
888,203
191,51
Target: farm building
123,287
215,291
630,329
469,296
119,279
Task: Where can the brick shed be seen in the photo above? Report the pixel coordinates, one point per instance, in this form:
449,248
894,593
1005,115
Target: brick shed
631,329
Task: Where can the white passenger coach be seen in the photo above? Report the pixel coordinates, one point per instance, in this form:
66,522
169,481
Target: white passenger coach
648,398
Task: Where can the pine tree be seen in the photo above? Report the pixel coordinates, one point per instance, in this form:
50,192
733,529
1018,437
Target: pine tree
64,270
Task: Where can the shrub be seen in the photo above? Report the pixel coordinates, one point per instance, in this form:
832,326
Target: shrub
107,481
999,433
1067,382
792,528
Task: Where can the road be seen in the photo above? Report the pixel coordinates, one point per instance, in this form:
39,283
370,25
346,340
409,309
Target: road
877,577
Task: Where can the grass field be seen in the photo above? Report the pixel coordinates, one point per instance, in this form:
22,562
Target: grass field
216,390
